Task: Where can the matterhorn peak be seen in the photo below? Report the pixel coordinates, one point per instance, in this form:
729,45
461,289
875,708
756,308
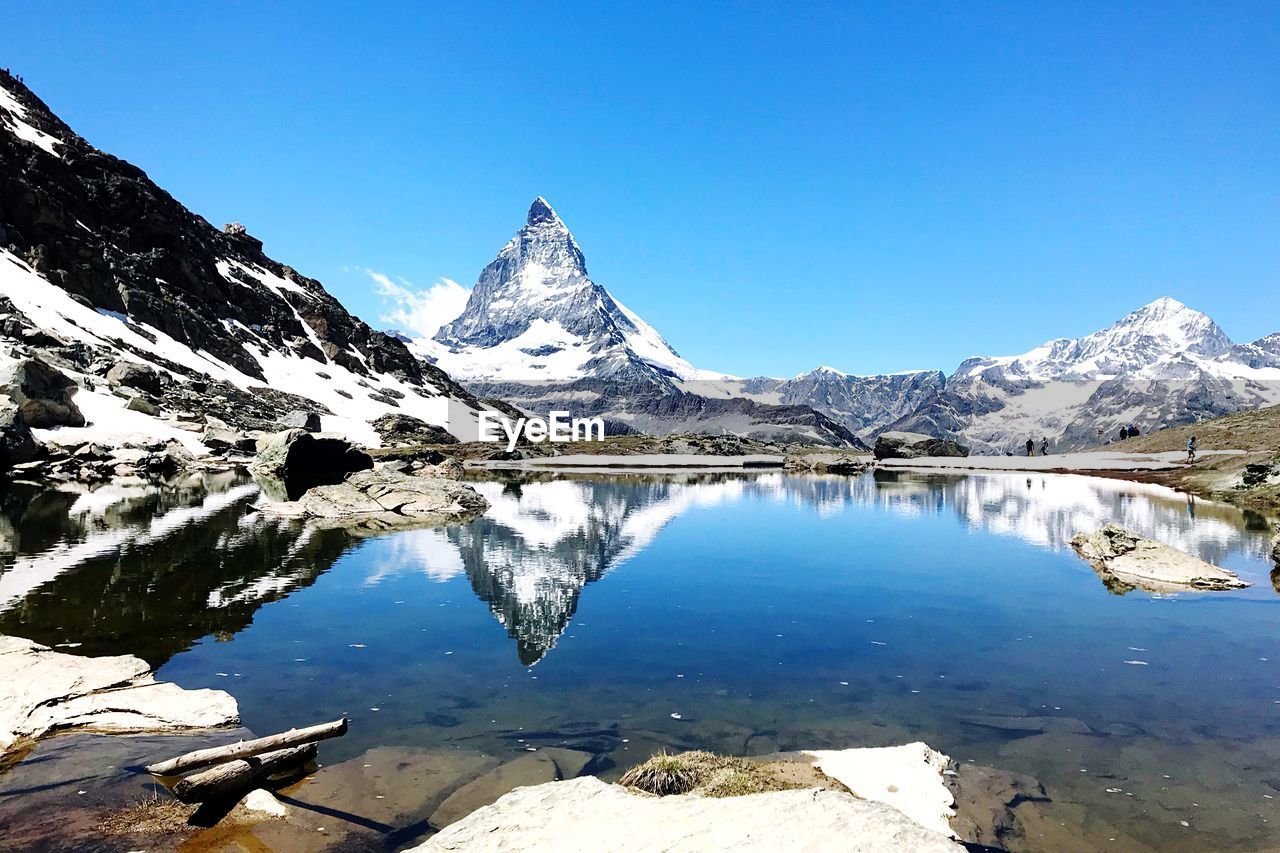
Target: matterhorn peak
541,211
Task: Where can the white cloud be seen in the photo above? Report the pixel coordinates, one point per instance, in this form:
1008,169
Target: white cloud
416,312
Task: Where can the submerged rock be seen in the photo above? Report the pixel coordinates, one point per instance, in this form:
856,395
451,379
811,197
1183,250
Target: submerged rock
42,690
1124,560
587,814
42,393
913,445
384,497
300,460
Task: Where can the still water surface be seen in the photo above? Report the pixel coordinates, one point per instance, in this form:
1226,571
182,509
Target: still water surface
744,614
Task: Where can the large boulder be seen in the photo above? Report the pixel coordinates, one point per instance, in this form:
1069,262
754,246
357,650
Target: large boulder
1275,547
913,445
406,429
17,444
41,392
137,376
383,497
300,460
1125,561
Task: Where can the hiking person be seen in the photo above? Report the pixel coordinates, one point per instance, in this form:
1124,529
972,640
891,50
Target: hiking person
1044,446
1191,450
1031,445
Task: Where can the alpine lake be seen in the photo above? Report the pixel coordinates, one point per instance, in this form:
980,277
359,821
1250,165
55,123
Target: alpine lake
621,614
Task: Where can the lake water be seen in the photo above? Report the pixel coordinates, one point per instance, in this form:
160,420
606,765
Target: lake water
745,614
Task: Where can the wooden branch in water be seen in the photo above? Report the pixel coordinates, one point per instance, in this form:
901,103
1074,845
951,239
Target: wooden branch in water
202,758
241,773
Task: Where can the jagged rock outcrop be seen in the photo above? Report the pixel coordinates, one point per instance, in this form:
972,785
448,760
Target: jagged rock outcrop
1125,561
913,445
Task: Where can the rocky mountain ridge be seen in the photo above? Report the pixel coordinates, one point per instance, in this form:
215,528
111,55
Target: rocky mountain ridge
100,267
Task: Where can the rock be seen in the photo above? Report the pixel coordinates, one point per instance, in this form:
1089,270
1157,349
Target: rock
534,768
143,405
908,778
42,690
825,463
587,814
263,802
300,460
450,469
987,802
913,445
137,376
221,440
1124,560
396,428
42,393
17,444
1275,547
386,498
1256,474
309,421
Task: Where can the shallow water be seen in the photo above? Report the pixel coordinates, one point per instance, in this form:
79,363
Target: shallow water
741,613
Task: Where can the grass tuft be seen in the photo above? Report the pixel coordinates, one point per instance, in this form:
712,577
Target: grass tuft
703,773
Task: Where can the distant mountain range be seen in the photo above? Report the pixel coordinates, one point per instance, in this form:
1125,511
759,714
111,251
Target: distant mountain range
538,331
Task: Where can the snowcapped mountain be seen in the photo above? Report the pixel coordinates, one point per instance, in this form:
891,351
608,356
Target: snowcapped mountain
1155,340
1162,365
536,315
539,332
100,266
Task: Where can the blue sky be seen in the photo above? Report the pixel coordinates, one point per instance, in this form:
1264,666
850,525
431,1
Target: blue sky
876,186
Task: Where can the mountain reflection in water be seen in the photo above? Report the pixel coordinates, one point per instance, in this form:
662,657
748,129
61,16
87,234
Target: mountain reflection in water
151,569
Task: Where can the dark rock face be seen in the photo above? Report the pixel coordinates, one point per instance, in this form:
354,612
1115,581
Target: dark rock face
406,429
137,376
912,445
100,229
309,421
300,460
42,393
17,445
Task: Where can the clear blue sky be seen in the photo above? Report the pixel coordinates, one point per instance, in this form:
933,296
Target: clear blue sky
874,186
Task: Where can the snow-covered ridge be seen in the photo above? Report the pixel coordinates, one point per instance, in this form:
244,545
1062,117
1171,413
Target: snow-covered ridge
13,116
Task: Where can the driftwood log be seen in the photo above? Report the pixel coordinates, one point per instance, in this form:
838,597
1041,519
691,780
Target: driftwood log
235,776
202,758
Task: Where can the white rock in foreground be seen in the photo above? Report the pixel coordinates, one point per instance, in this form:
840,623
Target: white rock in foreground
907,778
388,498
589,815
42,690
1135,561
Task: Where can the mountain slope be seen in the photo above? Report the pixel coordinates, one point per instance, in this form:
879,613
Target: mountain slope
99,265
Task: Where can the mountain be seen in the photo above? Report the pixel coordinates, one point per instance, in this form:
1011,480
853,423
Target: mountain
538,332
99,266
1162,365
866,405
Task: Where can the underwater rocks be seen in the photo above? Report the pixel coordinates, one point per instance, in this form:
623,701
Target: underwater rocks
383,498
42,690
913,445
1124,560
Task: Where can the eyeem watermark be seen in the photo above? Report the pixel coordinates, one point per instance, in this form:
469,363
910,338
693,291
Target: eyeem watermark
558,427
